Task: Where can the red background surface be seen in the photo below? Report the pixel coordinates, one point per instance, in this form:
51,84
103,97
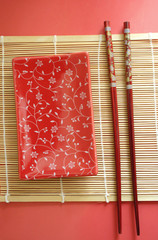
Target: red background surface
88,221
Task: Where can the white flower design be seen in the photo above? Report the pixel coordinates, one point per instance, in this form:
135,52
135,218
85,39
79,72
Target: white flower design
88,104
54,98
69,72
83,95
34,154
69,128
26,137
52,166
39,63
71,164
52,80
45,129
27,128
32,167
54,129
61,138
68,85
58,69
85,125
73,119
38,96
29,83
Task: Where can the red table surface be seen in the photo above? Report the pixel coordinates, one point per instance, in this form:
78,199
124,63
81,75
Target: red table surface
89,221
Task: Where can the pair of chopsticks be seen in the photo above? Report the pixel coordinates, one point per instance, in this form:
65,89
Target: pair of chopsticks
116,121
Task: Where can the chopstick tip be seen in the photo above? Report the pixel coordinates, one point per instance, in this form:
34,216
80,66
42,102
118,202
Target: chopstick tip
138,231
120,230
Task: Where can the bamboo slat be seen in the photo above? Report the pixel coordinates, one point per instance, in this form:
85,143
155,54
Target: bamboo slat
145,87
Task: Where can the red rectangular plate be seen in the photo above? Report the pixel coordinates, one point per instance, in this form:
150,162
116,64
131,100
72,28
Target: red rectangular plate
54,116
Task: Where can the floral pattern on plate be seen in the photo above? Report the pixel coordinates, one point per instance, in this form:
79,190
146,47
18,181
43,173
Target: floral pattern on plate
54,116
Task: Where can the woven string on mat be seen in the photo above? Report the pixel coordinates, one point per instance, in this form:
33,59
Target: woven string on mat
154,85
100,121
4,133
61,182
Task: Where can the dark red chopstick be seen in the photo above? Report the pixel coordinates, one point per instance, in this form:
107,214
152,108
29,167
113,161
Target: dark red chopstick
131,118
115,118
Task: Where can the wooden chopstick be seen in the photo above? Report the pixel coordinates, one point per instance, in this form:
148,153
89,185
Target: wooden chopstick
115,118
131,118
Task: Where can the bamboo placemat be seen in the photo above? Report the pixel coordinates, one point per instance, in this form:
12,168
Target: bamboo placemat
145,88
